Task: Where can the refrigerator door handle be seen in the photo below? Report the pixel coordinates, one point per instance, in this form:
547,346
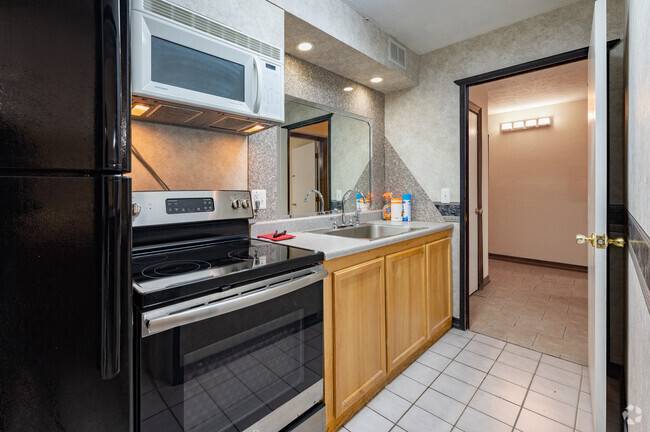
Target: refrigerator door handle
111,275
112,85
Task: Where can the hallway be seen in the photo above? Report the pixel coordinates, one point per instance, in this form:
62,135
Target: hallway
541,308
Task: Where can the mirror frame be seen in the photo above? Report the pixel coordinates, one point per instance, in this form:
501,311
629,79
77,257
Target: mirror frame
330,110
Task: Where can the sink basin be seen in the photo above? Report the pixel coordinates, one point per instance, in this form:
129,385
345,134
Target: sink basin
366,231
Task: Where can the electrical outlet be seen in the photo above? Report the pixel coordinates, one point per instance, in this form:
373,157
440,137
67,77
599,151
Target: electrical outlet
339,194
445,195
259,195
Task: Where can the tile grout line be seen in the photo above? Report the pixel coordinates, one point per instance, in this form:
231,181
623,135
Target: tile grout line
521,407
477,388
427,387
441,372
575,420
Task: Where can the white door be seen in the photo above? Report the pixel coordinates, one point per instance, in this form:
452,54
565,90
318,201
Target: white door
597,220
302,176
472,169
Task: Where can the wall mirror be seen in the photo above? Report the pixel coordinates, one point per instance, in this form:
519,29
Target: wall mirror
325,150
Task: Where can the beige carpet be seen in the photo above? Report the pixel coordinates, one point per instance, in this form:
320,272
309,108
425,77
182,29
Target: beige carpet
536,307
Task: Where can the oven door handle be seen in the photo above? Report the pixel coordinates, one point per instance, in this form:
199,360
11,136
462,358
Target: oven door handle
177,319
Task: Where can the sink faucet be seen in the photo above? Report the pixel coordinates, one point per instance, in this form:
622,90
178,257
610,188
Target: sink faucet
320,197
345,195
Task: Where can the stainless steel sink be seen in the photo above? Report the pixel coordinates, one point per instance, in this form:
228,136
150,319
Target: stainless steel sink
366,231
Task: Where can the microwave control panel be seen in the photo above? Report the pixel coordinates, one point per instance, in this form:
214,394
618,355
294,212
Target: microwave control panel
272,106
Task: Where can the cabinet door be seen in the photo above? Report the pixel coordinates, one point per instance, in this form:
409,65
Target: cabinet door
406,322
438,286
359,332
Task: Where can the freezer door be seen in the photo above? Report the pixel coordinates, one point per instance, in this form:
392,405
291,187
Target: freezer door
62,85
65,304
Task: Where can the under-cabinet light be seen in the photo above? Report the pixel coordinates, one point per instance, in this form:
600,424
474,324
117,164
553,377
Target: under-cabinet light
139,109
255,128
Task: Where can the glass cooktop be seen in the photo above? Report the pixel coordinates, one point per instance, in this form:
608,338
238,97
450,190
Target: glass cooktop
165,274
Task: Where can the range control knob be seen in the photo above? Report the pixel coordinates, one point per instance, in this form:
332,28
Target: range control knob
245,203
135,210
235,204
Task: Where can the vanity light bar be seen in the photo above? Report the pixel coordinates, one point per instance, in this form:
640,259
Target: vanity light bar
525,124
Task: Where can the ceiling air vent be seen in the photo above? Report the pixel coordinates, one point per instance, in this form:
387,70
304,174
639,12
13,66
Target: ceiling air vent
396,53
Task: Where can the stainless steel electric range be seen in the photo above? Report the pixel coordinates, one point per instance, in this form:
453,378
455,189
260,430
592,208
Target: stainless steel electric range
229,329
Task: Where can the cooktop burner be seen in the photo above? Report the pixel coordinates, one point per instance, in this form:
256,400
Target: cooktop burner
173,268
176,271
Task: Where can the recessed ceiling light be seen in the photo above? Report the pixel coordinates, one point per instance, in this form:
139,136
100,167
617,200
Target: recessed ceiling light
377,80
348,89
305,46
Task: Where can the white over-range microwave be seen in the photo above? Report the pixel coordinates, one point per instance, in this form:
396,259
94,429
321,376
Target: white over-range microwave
189,70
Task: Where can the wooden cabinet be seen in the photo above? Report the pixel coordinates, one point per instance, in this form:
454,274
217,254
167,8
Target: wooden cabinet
382,308
359,332
438,264
406,300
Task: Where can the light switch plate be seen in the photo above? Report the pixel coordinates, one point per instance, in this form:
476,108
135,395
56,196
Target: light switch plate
445,195
259,195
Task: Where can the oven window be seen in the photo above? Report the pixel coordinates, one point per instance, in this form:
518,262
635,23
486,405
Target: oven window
228,372
183,67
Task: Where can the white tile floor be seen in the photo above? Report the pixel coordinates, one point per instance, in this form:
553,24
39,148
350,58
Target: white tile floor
468,382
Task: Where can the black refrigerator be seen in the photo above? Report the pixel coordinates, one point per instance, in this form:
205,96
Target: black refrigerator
65,234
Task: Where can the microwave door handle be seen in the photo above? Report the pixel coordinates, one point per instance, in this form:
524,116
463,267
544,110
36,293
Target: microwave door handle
177,319
258,88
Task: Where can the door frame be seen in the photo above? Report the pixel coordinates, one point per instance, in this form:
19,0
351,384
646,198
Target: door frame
479,192
324,160
464,84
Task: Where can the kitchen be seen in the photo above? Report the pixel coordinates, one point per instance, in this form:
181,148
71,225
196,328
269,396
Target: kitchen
138,184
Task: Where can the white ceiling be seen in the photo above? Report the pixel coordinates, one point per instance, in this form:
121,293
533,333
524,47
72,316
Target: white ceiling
554,85
426,25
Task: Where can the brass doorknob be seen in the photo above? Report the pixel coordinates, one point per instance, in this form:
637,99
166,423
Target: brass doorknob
618,242
582,239
478,211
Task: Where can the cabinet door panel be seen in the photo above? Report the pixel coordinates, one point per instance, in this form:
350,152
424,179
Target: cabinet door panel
438,285
406,322
359,332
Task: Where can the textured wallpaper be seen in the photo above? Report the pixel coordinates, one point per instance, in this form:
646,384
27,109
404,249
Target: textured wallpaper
314,84
422,123
188,159
638,183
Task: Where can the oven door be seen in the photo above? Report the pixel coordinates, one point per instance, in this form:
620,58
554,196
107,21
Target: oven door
251,361
173,62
